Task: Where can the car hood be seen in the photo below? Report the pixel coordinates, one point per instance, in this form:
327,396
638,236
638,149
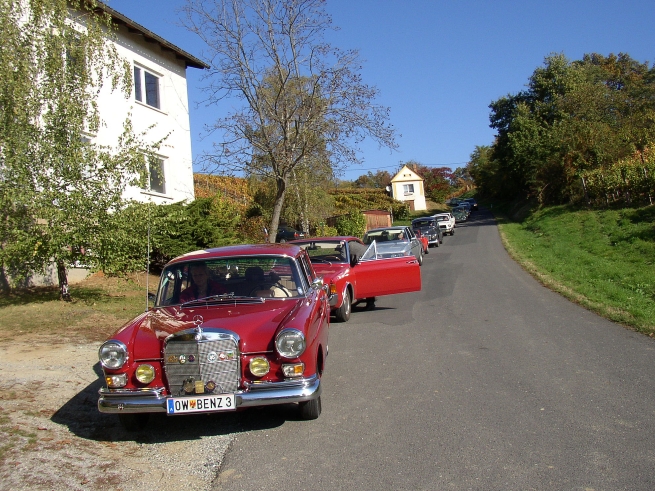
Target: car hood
256,324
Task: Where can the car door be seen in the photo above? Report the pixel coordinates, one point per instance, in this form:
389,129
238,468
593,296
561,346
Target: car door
417,247
385,276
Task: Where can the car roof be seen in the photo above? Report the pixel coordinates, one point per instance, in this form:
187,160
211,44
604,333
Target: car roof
333,238
397,227
286,249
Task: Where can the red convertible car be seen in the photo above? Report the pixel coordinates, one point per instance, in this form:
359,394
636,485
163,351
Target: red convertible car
354,272
232,327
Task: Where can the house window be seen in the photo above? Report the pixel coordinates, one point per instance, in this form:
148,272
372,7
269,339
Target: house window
156,175
146,87
408,189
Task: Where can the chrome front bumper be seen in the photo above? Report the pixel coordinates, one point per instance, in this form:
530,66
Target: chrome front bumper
262,394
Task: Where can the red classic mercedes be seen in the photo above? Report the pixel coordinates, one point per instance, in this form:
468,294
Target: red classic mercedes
355,273
232,327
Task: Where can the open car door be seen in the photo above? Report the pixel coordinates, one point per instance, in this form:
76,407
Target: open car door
386,276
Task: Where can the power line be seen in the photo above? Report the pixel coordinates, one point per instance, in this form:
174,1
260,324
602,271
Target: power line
352,169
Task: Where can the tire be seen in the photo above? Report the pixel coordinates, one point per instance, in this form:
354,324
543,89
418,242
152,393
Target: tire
420,259
134,421
370,303
343,312
309,410
283,240
452,232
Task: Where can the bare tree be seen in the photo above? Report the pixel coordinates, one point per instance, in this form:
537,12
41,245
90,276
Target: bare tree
301,97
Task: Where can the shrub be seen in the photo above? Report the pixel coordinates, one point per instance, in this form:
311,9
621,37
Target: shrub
352,223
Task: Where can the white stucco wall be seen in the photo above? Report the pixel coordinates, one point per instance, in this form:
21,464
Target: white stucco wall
407,176
171,119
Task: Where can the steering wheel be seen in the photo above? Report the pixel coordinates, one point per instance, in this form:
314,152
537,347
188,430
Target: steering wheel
274,287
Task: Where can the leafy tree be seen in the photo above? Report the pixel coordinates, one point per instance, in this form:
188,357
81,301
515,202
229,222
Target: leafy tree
574,117
380,180
302,97
57,190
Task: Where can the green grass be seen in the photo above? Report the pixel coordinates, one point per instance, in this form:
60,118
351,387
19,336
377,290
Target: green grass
601,259
99,306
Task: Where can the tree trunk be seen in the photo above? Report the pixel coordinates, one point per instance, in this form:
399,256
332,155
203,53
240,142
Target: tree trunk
281,184
4,281
63,281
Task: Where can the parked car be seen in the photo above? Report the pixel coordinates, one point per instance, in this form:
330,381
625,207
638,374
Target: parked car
231,328
472,203
429,228
461,214
395,242
446,223
424,242
356,275
285,234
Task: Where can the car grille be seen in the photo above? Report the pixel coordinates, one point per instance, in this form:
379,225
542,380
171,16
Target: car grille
208,365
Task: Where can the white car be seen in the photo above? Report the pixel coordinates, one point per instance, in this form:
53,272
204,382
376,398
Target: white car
446,222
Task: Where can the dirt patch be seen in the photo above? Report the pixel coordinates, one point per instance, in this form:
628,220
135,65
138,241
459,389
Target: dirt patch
52,436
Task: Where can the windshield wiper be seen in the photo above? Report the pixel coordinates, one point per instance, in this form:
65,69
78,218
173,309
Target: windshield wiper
220,298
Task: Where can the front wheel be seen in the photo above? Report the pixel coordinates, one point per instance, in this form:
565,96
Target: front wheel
310,409
343,312
420,259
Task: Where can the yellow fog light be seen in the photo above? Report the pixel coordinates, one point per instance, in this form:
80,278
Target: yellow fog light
116,381
145,374
259,367
293,369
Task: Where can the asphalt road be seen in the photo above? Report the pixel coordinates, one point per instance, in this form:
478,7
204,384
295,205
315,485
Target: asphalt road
484,380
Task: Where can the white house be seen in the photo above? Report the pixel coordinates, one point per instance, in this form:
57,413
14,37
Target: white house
159,98
407,186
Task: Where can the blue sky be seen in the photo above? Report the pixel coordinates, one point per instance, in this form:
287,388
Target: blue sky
439,64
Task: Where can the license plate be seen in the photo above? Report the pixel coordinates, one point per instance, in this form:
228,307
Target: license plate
201,404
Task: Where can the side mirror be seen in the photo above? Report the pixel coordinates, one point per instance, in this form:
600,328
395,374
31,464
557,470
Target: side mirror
317,283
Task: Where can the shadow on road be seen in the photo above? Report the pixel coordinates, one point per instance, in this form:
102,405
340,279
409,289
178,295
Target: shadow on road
80,414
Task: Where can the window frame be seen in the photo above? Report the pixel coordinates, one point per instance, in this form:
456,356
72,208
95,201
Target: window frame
140,86
162,170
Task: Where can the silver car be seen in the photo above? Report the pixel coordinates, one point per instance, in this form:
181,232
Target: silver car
395,242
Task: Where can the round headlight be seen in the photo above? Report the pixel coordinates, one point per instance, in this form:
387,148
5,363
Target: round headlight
112,354
259,367
145,374
290,343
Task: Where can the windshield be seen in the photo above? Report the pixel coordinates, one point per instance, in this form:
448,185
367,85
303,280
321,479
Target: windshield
384,236
325,251
227,278
422,223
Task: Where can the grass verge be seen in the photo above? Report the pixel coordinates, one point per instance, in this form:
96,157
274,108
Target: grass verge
600,259
99,306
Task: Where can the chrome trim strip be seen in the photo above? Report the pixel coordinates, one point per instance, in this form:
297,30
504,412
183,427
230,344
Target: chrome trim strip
259,394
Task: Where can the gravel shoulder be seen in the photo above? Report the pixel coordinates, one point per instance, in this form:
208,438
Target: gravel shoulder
54,438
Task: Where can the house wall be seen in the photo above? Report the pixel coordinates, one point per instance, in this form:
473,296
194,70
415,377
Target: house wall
171,119
418,196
